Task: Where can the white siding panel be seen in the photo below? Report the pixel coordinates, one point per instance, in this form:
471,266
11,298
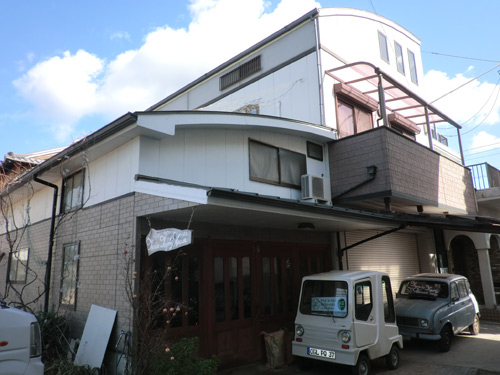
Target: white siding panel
395,253
172,156
195,157
216,157
236,172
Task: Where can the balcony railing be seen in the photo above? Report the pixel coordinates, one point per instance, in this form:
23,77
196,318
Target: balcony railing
484,176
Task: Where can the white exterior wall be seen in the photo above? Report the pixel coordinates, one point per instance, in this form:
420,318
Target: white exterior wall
112,175
220,158
290,92
287,47
352,35
349,36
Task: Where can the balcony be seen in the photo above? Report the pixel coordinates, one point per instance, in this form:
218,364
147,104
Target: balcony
486,181
398,107
408,177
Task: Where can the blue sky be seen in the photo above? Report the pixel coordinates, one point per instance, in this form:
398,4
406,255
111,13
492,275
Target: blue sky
69,68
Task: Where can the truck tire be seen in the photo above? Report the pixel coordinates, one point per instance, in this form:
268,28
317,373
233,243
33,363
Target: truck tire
445,341
474,327
362,367
392,359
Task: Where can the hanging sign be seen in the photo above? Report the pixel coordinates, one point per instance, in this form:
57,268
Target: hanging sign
168,239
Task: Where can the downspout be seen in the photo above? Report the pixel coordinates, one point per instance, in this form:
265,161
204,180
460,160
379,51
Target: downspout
372,171
48,267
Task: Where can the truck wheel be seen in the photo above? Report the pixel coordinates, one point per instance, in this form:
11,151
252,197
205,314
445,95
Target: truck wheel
474,327
392,359
445,341
363,365
304,364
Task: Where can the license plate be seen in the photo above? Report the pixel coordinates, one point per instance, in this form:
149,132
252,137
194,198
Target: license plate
321,353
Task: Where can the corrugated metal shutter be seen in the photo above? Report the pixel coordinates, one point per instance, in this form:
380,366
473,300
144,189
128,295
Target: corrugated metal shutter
395,253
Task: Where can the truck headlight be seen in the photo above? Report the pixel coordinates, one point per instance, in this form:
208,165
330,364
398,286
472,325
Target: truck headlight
345,336
424,323
299,330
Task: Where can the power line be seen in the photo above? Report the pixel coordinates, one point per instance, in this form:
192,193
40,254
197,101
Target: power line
460,57
466,83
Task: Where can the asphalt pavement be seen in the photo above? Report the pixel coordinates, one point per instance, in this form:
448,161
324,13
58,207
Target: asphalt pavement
469,355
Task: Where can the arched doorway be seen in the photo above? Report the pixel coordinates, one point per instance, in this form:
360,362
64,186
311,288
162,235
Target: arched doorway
464,261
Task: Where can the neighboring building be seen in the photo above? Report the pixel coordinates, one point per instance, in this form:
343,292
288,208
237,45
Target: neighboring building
312,150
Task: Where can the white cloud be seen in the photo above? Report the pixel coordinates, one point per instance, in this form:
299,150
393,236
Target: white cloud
64,89
120,35
463,100
484,141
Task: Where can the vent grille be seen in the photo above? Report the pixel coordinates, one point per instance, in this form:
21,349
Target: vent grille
407,321
240,73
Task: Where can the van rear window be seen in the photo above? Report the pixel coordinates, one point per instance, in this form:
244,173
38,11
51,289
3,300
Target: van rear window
328,298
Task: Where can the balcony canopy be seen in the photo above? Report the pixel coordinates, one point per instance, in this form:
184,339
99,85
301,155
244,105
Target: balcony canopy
392,96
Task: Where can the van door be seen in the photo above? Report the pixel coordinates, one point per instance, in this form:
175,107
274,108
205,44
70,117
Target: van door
365,327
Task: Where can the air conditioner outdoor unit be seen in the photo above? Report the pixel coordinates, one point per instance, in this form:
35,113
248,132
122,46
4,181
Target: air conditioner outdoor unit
312,187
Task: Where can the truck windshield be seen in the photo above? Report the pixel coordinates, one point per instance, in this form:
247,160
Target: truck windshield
328,298
425,289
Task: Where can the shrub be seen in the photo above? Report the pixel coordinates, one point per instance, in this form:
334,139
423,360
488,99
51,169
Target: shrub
182,358
55,330
61,367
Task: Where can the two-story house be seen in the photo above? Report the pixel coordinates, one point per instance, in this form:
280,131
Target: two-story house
314,149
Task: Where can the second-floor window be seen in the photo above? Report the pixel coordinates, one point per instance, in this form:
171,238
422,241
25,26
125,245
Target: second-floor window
352,119
275,165
73,192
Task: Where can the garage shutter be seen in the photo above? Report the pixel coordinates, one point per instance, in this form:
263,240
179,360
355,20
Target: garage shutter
395,253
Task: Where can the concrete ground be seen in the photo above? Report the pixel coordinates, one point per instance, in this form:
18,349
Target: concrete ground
469,355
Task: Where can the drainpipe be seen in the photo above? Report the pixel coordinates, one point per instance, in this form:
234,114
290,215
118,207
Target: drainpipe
48,267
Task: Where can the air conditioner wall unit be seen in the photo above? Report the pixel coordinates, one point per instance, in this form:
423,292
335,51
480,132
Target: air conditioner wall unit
312,187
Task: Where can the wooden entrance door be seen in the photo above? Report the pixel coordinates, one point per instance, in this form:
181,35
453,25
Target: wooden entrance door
235,337
254,287
280,268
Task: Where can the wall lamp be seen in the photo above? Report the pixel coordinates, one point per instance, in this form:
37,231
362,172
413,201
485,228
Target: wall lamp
309,226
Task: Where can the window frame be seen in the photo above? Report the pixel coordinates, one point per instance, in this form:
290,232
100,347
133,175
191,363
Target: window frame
279,160
73,284
74,205
17,261
383,47
412,63
398,49
355,111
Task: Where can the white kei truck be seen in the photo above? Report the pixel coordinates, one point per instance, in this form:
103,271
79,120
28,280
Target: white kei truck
346,318
20,343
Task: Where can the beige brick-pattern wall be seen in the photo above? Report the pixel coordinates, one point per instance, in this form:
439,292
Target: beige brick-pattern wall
35,237
104,232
